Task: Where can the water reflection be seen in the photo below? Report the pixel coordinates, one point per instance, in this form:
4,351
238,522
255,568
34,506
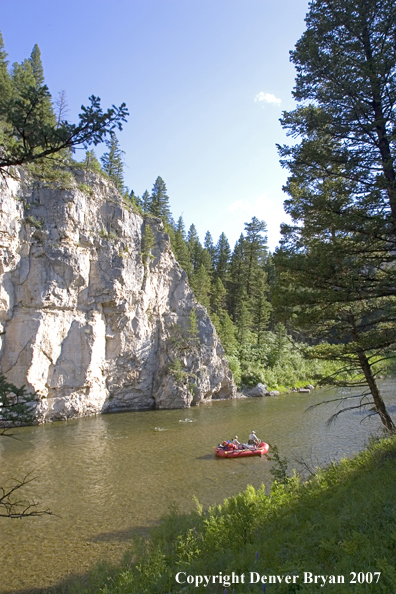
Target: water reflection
109,477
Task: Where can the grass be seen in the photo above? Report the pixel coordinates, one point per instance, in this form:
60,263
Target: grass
340,522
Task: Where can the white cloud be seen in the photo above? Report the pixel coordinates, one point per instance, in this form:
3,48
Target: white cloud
258,207
266,98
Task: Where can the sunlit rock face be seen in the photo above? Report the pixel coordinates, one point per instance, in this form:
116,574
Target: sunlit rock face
87,321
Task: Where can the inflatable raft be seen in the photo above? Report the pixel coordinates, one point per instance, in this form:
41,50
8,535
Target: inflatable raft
223,452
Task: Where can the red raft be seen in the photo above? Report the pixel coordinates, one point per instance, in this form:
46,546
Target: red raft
261,449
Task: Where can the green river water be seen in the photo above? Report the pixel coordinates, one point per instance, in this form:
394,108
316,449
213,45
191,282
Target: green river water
110,476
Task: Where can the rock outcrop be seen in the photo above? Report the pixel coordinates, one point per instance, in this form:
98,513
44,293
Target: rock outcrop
259,390
89,321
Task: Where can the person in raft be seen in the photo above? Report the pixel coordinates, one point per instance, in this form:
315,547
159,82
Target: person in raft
236,443
253,439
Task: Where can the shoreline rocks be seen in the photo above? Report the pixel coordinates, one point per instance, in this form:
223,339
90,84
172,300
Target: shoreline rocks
260,390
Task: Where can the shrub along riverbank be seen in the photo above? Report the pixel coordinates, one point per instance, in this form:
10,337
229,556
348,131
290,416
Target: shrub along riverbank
339,523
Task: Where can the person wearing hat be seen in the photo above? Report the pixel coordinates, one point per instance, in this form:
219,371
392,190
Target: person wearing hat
253,439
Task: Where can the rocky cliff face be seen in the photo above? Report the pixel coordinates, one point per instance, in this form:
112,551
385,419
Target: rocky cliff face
87,320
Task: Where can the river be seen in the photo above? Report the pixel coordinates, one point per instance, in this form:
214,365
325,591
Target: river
111,476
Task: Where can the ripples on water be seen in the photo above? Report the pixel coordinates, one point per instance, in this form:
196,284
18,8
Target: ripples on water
110,476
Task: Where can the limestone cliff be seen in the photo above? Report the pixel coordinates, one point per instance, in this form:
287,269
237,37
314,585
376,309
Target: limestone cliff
89,322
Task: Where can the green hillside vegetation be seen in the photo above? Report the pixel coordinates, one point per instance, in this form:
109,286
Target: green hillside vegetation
341,522
319,340
233,285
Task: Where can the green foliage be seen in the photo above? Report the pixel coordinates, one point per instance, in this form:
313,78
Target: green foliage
181,249
145,201
29,130
86,189
134,201
226,331
333,524
193,332
148,241
158,203
110,236
200,284
176,369
194,247
30,220
278,469
209,246
17,406
281,363
336,264
112,162
91,162
235,367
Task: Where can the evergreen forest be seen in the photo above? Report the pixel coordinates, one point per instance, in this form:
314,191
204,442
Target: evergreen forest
322,308
319,310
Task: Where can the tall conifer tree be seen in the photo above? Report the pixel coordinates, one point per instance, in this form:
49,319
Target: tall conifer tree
158,204
200,284
336,264
145,201
222,258
181,249
194,247
113,162
209,246
29,130
5,80
37,66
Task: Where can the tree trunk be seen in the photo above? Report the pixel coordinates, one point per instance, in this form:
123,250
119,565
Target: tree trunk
380,126
379,404
372,384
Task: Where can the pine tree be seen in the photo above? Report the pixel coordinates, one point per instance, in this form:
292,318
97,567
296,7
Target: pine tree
200,284
218,296
205,260
37,66
28,127
135,201
336,268
243,320
91,161
346,85
260,306
221,258
236,285
209,246
31,73
227,333
254,252
5,80
158,204
194,247
145,202
113,163
181,249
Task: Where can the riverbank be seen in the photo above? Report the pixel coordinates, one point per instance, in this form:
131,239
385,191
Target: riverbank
339,523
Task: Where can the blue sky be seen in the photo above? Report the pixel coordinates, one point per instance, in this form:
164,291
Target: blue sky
205,82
